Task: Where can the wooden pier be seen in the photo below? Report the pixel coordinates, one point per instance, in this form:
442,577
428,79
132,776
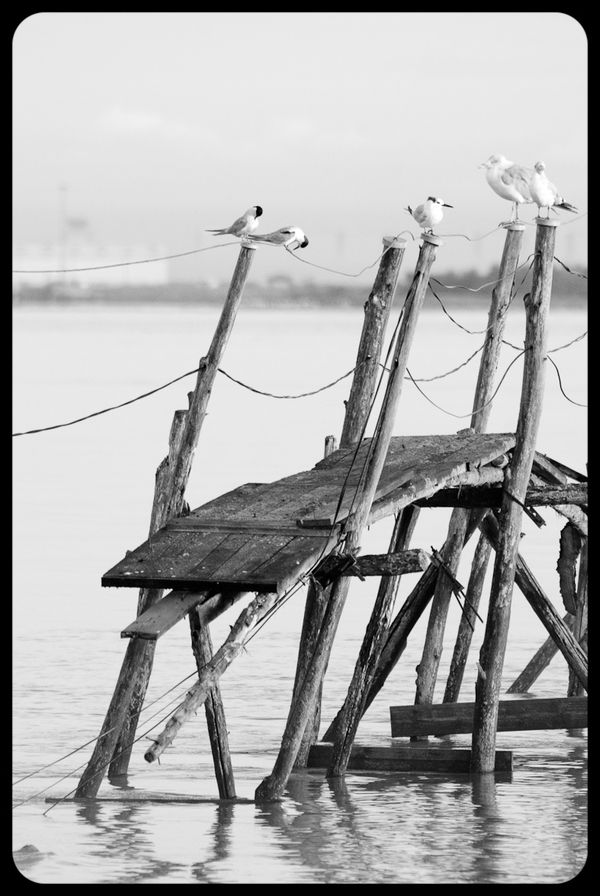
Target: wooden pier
258,542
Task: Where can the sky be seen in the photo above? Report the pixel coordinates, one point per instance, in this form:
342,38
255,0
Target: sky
153,127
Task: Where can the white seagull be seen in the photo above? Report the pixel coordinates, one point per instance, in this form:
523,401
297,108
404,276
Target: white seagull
509,181
243,225
291,237
429,213
544,193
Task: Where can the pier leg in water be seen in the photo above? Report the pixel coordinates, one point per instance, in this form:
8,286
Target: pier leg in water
272,787
213,706
502,293
491,658
118,731
358,407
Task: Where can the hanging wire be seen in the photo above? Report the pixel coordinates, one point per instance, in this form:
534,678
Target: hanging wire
123,264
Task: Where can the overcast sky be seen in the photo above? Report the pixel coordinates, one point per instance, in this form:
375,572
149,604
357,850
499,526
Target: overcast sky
160,125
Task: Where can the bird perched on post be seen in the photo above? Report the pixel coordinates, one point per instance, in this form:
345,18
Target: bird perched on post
429,213
291,237
246,223
544,193
509,181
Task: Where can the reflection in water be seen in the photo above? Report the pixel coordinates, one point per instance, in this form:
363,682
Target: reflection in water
220,834
125,836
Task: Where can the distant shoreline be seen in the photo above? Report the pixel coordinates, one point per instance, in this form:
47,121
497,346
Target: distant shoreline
568,291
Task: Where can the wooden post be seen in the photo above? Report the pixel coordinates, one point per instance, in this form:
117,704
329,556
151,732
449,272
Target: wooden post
213,706
118,731
491,658
372,645
377,312
525,580
538,662
272,786
427,669
580,623
396,638
467,620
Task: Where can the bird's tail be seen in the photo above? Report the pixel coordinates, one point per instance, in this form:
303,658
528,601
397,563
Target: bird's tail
566,206
221,231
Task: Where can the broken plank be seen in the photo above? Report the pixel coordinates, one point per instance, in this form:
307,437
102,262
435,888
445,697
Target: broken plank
398,757
413,560
162,616
529,714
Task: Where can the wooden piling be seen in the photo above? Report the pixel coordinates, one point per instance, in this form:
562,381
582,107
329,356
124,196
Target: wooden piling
118,731
213,707
377,312
427,669
541,605
272,786
538,662
580,623
468,620
491,659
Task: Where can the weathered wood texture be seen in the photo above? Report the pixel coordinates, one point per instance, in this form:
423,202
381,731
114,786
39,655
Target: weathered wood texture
468,620
213,707
580,623
491,496
212,671
570,548
364,492
372,645
428,667
118,730
491,658
538,662
542,606
377,311
358,407
397,757
250,536
398,632
528,714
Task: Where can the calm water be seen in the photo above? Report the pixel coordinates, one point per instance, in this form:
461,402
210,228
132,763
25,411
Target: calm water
82,496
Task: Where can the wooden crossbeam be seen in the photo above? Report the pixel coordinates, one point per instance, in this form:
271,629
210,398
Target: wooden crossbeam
400,757
529,714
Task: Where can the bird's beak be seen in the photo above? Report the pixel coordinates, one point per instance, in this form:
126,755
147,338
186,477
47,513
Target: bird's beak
445,204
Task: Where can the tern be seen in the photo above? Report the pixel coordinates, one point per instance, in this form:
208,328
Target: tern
509,181
243,225
544,193
429,213
291,237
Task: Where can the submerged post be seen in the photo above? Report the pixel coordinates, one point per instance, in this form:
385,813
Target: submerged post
427,669
272,786
491,658
377,312
118,731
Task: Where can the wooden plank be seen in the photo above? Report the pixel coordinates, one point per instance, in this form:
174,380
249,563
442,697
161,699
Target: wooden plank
530,714
554,470
162,616
395,564
491,496
405,758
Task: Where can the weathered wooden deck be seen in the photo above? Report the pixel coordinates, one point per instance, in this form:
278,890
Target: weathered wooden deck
264,536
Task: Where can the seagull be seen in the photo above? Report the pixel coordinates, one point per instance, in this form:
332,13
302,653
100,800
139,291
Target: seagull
243,225
544,194
429,213
291,237
509,181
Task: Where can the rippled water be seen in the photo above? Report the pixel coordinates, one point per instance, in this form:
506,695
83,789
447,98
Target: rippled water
82,496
